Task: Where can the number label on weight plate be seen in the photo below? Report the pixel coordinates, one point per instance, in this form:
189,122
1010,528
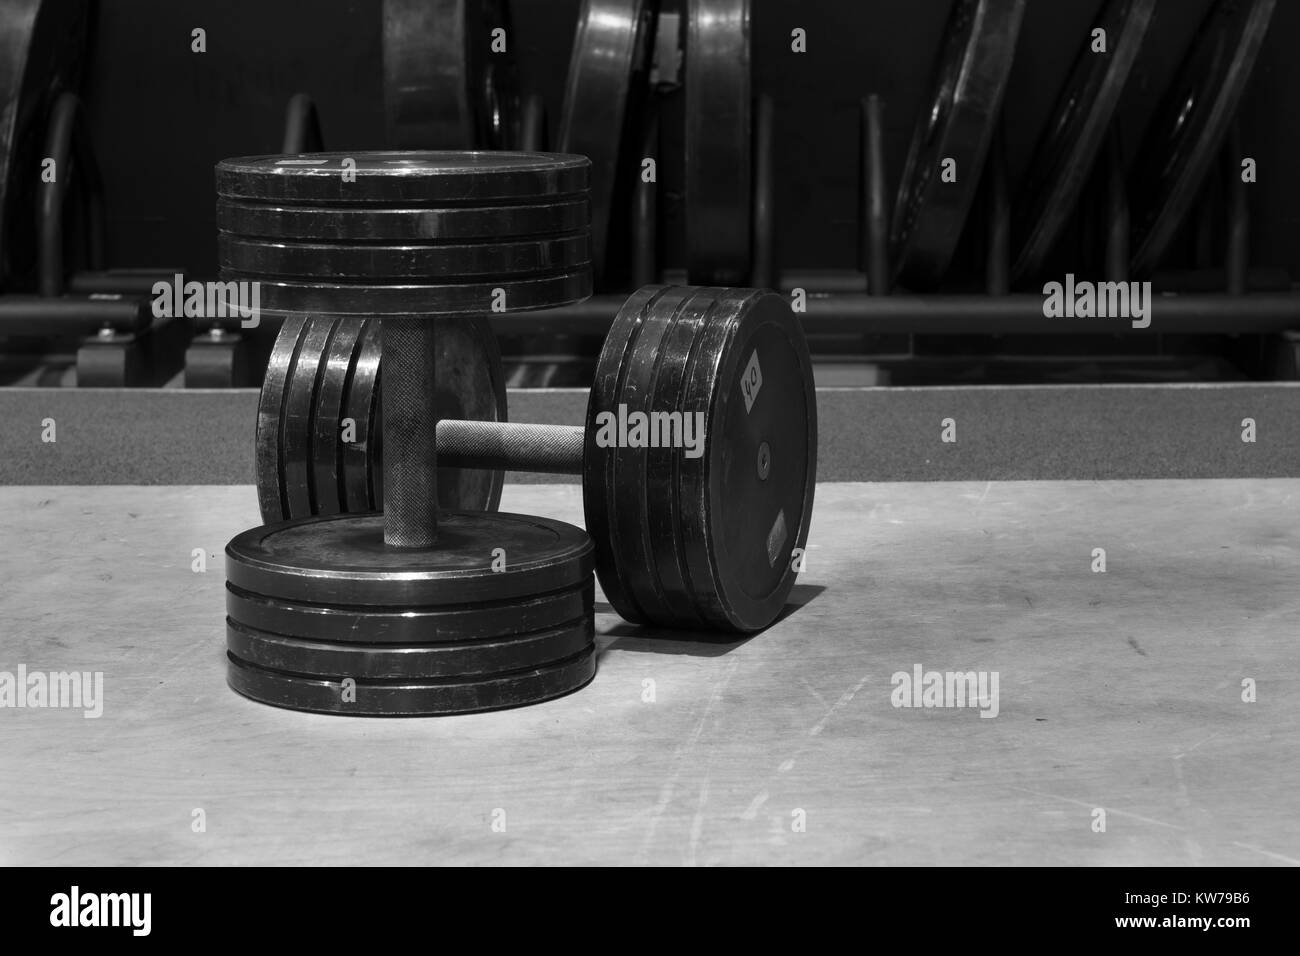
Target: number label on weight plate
751,382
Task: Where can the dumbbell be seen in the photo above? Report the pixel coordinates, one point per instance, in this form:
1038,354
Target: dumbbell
415,609
698,456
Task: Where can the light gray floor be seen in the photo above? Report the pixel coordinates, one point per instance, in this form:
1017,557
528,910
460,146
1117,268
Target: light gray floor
1119,691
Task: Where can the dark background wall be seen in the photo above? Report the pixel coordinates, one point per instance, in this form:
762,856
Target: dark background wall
162,116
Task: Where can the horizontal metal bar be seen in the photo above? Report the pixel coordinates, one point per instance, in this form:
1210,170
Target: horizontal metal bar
1200,314
70,316
511,446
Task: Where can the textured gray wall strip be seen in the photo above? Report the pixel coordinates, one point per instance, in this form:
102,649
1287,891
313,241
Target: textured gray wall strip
145,436
1059,432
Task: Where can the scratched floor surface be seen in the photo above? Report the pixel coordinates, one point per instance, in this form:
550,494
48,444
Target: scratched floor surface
1118,691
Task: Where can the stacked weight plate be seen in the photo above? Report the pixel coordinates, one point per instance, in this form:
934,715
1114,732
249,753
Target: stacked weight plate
708,531
401,255
313,605
319,441
356,259
517,237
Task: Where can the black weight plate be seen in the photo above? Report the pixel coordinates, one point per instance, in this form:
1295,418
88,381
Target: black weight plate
496,259
338,362
411,698
328,487
444,87
718,150
609,59
597,462
433,178
965,102
470,385
1064,156
743,514
666,567
429,301
360,490
422,662
1186,133
358,223
42,45
409,626
629,531
297,422
342,559
270,415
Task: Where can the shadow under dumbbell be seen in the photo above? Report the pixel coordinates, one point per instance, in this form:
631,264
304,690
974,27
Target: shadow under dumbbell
800,595
660,640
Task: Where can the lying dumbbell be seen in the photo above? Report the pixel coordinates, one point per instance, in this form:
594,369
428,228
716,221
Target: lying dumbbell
698,457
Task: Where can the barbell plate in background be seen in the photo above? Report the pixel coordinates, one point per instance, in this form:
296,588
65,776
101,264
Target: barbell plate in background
961,112
1068,149
1185,136
718,142
444,86
42,49
607,69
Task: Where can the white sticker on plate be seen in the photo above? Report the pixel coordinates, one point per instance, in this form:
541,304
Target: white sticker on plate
751,381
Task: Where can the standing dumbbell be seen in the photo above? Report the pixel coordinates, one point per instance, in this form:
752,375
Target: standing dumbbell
698,456
414,610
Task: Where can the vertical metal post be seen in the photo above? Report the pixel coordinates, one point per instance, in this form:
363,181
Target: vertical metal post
302,126
763,268
1237,257
645,269
1117,210
875,212
997,265
533,136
